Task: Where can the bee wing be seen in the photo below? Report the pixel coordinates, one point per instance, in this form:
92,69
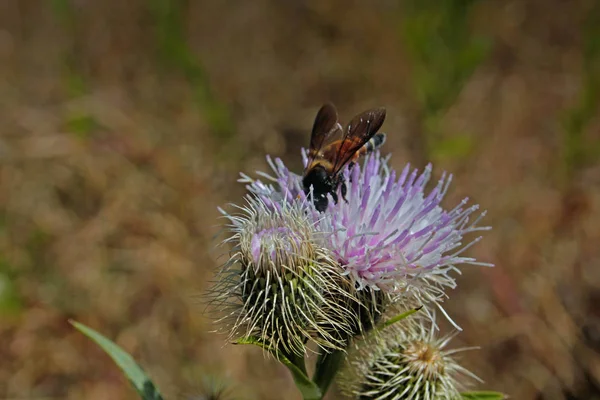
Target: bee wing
358,132
325,127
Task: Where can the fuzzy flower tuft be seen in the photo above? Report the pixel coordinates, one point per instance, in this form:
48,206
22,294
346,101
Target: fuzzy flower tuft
390,234
405,362
278,280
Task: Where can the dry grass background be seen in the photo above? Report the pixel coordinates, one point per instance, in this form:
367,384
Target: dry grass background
124,125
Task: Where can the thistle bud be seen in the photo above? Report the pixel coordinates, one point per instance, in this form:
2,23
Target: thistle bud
278,281
404,362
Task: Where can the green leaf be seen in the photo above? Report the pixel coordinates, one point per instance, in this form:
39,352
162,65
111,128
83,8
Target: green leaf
134,373
309,390
399,317
486,395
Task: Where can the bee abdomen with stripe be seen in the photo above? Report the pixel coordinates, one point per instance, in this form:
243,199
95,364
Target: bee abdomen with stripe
373,144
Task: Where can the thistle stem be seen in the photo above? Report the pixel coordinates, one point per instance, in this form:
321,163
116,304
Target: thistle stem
297,366
327,367
298,361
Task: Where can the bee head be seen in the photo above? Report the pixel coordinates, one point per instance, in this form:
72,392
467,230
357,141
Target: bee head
319,179
322,184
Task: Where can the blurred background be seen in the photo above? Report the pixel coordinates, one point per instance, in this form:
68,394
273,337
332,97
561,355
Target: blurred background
124,125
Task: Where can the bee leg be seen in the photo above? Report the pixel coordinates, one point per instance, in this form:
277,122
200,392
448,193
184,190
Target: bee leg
343,190
335,197
350,166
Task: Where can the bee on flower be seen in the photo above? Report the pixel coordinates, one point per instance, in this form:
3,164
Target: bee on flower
330,254
390,235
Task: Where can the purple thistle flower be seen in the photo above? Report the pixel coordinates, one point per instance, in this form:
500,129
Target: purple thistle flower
390,234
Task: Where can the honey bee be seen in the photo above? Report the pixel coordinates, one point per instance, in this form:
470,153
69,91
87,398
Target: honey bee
328,157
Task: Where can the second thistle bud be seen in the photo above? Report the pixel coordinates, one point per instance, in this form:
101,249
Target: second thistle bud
404,362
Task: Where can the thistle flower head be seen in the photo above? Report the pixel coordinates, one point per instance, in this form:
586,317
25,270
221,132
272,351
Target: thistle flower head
276,284
407,361
389,234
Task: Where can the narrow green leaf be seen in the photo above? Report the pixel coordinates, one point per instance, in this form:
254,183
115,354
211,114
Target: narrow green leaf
309,390
486,395
399,317
133,372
